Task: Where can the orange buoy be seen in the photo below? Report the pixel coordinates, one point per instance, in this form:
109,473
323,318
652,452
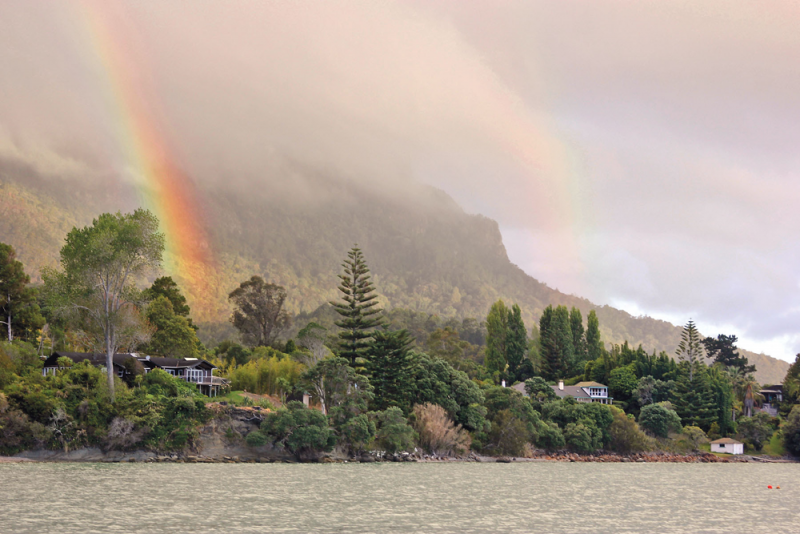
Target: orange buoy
777,487
769,487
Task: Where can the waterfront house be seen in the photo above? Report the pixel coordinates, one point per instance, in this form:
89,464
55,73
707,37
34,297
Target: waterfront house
195,370
581,392
727,445
773,396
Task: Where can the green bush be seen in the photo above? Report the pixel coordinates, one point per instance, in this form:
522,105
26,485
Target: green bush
791,431
394,433
756,430
626,437
302,431
509,435
658,420
578,437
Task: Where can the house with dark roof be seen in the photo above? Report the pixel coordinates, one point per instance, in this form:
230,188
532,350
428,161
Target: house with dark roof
581,392
773,396
194,370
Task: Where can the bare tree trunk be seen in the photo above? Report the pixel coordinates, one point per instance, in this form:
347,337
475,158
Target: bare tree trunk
109,361
10,335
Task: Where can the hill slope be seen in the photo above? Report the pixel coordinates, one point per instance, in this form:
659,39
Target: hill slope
425,253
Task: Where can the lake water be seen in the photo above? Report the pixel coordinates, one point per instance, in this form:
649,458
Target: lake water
399,497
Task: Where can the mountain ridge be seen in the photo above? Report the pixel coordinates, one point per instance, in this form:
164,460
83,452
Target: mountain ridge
425,253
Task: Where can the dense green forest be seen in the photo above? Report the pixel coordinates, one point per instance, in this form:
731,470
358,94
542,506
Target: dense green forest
426,254
386,380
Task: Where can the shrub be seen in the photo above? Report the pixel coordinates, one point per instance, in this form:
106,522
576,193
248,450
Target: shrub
659,420
538,390
357,432
509,434
791,431
437,432
274,375
578,437
302,431
394,434
695,435
626,437
551,437
755,430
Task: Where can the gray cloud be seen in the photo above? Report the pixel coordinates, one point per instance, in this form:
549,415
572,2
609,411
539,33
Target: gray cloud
642,153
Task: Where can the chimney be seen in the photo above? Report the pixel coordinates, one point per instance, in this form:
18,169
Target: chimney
561,385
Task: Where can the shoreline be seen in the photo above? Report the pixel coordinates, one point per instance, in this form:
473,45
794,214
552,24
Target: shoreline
94,455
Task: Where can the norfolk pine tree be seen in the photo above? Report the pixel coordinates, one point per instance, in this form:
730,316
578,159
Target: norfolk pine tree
358,311
690,349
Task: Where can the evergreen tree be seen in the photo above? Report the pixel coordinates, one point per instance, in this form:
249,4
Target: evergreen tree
578,339
516,343
165,286
693,398
723,351
594,345
17,301
556,343
358,311
723,396
388,370
690,349
497,338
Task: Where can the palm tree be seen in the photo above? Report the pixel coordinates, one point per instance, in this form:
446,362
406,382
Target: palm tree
746,390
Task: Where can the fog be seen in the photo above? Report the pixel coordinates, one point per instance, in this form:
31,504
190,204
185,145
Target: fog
638,154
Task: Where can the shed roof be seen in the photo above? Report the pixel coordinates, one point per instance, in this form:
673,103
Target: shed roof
726,441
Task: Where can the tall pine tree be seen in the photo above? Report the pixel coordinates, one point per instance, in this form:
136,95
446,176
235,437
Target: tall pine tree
388,370
556,343
516,343
358,309
693,398
690,349
496,338
594,345
578,339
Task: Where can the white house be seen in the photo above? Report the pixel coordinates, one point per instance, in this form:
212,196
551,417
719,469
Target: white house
727,445
582,391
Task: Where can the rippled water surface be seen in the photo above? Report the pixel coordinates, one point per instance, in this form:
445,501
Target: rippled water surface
468,497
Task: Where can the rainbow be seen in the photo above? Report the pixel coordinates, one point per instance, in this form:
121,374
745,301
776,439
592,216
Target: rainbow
162,187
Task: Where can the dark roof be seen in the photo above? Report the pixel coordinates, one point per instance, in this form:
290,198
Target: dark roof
97,358
177,363
573,391
777,388
151,362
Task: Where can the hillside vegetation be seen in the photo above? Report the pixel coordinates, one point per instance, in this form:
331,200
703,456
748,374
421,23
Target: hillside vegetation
425,252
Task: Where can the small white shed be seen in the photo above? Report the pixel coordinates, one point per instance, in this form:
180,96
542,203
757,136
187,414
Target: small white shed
727,445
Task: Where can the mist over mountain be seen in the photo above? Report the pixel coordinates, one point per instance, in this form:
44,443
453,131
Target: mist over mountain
426,253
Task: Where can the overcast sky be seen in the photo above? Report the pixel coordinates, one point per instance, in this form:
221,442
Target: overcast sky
640,154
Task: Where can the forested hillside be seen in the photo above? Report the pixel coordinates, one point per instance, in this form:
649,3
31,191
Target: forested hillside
425,253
